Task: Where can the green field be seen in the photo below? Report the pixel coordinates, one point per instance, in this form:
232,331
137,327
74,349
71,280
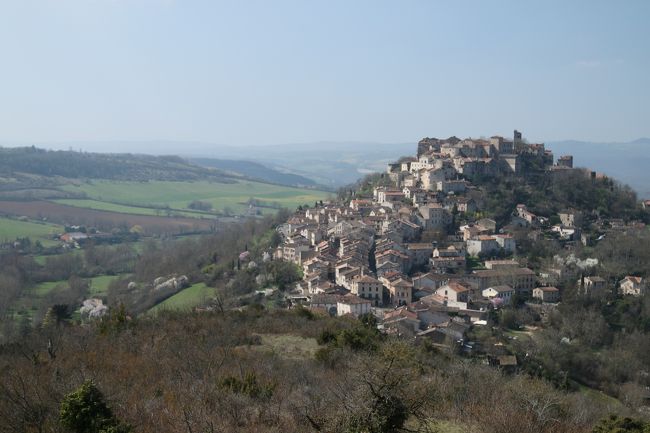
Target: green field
177,195
45,288
186,298
135,210
10,229
98,286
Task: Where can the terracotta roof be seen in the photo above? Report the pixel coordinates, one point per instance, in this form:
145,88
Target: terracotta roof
456,287
505,272
636,280
548,289
402,283
366,279
353,299
501,289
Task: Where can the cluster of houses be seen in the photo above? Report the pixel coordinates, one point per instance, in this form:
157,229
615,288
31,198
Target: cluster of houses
379,254
394,254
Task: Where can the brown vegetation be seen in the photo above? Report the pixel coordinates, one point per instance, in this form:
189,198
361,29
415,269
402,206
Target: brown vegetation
195,373
105,220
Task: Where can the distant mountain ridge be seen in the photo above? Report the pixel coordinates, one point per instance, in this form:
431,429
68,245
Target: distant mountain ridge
23,162
339,163
255,170
113,166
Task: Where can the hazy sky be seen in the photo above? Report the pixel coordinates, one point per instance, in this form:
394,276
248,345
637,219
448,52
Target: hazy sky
258,72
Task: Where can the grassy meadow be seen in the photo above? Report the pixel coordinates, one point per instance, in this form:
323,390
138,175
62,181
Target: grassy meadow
177,195
127,209
186,299
10,229
98,286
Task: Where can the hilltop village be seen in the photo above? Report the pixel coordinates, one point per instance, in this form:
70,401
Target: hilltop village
476,274
419,251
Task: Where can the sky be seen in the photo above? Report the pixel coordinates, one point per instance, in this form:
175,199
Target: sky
270,72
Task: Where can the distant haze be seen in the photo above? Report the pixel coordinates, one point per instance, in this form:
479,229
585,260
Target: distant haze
338,163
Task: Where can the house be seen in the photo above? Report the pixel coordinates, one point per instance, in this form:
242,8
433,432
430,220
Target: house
419,253
387,267
447,186
293,249
325,302
466,205
506,242
520,279
454,294
449,334
570,218
407,229
73,237
504,293
445,264
591,285
546,294
450,251
401,292
389,195
501,264
367,287
565,161
434,217
522,212
429,281
402,316
352,304
432,176
482,245
631,285
394,256
471,231
487,224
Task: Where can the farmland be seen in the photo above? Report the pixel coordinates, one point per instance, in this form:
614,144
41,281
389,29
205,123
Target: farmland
157,207
231,197
186,298
125,211
11,229
105,220
98,286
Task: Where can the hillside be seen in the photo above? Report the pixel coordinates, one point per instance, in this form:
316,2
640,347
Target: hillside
255,170
76,165
628,162
158,194
254,360
347,162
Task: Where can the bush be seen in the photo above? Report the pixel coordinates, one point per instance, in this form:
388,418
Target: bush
85,411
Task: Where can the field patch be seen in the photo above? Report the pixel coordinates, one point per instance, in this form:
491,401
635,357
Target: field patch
134,210
105,220
177,195
98,286
186,299
10,229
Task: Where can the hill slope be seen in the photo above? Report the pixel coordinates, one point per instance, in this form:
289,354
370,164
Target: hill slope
74,165
255,170
627,162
